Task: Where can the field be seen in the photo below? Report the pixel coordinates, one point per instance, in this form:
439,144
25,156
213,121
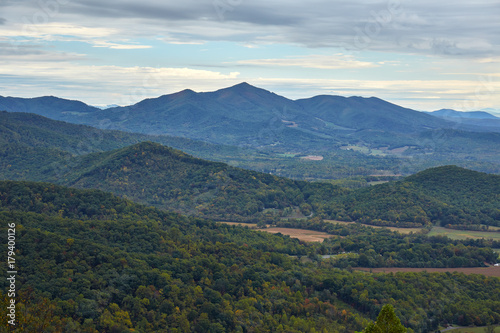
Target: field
241,224
400,230
487,271
313,158
463,234
302,234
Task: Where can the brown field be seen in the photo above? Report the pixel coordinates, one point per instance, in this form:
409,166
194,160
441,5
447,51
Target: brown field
487,271
302,234
400,230
243,224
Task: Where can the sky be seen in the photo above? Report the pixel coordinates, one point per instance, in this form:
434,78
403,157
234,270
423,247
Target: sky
424,55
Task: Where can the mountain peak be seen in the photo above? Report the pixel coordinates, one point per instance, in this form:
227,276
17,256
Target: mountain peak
244,87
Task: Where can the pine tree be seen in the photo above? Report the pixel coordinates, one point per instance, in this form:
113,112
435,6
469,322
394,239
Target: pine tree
387,322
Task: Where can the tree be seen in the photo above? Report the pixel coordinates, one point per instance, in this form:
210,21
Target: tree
387,322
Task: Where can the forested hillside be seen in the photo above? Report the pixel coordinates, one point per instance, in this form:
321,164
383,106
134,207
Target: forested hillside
170,179
39,149
446,195
30,142
160,176
89,261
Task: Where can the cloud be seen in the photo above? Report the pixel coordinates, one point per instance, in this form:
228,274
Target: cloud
463,95
39,55
429,27
64,32
426,26
338,61
119,46
106,84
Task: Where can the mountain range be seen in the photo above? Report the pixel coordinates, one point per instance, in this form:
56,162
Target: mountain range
243,115
264,127
449,113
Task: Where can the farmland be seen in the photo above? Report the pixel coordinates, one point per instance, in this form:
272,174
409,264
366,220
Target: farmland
241,224
301,234
400,230
463,234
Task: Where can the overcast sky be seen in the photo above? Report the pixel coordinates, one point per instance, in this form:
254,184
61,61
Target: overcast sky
422,54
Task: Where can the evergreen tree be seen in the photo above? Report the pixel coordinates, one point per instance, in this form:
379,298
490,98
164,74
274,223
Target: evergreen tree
387,322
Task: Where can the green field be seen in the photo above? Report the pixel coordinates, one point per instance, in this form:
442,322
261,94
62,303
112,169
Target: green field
400,230
463,234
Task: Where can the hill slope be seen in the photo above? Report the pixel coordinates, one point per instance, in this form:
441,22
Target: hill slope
36,148
446,195
167,178
30,143
50,107
91,262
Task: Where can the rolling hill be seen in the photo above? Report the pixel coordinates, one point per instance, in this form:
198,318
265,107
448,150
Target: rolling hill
167,178
91,262
447,196
40,149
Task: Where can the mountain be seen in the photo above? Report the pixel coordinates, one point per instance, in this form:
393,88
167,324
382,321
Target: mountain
449,113
473,120
332,127
50,107
244,115
31,143
358,113
233,116
170,179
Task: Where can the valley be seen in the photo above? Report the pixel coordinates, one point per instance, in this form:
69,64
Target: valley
114,227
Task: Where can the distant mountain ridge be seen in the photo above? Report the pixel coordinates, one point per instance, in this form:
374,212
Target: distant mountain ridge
249,117
241,115
449,113
48,106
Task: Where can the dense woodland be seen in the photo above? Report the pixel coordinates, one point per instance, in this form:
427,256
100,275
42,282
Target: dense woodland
170,179
167,178
368,247
90,261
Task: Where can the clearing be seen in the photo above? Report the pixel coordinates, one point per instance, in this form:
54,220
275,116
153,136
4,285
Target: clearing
400,230
463,234
301,234
241,224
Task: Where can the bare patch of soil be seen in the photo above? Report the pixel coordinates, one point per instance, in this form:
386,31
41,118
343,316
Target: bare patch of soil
304,235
